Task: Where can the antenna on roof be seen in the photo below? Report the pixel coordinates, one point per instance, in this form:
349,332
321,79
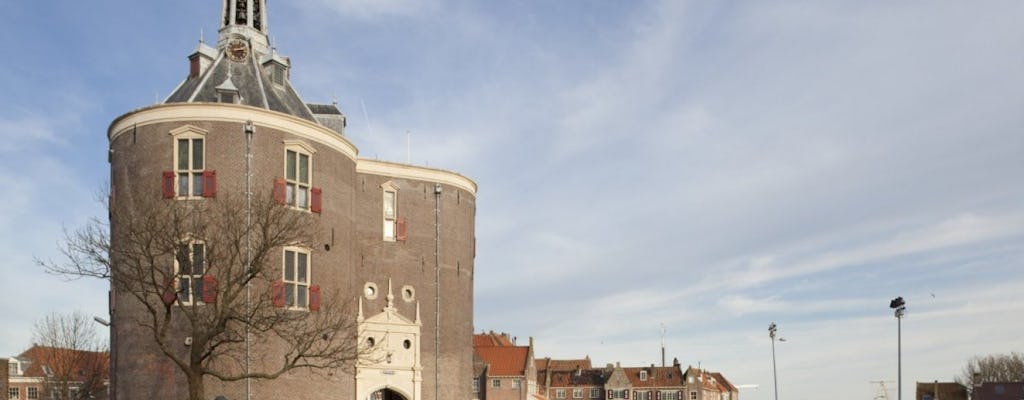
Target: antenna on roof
201,38
662,344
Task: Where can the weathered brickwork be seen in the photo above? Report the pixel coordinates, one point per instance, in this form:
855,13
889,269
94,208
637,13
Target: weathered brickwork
349,253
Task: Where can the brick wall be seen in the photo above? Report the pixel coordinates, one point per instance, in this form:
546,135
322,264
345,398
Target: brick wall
351,224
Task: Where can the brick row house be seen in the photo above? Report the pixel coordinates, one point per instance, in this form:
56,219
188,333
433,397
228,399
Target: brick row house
577,380
56,373
503,370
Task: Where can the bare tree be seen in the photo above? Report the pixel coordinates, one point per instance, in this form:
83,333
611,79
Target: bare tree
993,368
72,356
211,270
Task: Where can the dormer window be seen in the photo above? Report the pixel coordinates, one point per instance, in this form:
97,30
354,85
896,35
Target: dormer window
227,97
12,369
643,376
277,74
227,92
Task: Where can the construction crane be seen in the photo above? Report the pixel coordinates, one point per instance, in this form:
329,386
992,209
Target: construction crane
883,392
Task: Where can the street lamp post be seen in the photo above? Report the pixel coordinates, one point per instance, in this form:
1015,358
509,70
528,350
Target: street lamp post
775,377
900,308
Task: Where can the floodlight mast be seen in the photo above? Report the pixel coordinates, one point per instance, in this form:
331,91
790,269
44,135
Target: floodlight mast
900,308
772,328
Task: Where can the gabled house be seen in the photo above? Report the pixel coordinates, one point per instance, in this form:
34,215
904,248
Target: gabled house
506,371
548,366
656,383
576,384
704,385
43,372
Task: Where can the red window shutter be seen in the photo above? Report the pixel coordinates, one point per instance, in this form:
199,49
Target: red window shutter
316,200
314,298
401,230
209,289
169,184
277,293
169,295
209,183
280,191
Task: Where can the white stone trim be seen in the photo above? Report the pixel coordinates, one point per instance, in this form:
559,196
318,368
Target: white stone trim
404,171
219,112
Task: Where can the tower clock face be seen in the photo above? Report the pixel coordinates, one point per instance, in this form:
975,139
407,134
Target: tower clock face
237,50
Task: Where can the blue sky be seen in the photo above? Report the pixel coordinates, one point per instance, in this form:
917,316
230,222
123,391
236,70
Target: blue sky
709,166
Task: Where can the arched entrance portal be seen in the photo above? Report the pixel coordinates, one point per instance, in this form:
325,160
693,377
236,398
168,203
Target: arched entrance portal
386,394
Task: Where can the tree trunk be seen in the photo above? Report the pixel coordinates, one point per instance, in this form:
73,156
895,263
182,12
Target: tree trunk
196,391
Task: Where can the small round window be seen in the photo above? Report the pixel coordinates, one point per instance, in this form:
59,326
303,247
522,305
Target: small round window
407,344
370,342
370,290
408,293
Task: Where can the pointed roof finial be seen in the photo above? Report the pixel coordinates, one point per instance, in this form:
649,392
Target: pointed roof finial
202,39
391,296
359,315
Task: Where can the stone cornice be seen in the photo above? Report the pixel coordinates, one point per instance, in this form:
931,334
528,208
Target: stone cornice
219,112
405,171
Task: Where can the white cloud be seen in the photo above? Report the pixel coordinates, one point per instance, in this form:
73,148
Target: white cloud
25,131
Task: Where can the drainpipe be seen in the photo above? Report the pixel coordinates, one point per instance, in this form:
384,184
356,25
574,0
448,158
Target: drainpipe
249,131
437,291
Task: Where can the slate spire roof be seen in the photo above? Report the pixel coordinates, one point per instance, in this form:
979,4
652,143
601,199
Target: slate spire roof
245,69
252,81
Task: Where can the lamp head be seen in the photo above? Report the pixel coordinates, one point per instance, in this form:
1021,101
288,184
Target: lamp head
897,303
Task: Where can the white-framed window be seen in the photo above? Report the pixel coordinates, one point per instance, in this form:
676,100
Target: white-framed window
298,175
577,393
595,393
189,164
517,383
296,277
496,383
13,393
12,369
670,395
559,393
476,385
643,376
390,211
189,268
33,393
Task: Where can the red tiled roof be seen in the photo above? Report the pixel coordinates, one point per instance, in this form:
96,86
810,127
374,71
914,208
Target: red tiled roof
504,361
726,386
581,378
86,362
492,339
563,365
656,377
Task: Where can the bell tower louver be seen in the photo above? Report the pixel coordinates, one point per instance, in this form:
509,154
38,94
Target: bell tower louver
246,19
